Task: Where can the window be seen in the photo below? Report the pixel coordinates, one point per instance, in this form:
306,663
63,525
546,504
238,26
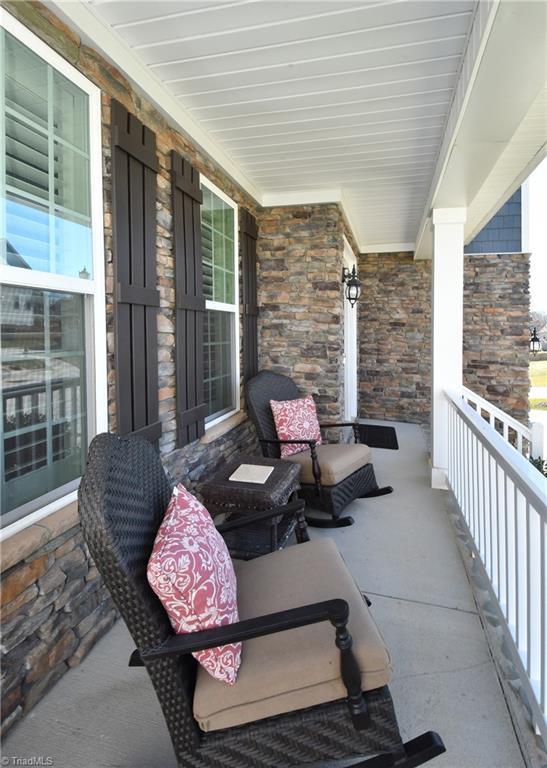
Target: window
220,286
52,324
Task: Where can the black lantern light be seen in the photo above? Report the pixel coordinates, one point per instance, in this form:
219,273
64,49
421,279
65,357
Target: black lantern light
535,343
353,285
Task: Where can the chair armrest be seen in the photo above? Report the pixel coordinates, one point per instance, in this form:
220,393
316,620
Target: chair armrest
178,645
336,611
265,514
353,424
289,442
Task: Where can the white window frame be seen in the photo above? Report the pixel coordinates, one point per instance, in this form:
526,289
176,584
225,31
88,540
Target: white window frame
93,290
232,308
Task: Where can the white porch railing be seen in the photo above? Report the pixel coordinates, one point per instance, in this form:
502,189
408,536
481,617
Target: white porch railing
527,440
503,501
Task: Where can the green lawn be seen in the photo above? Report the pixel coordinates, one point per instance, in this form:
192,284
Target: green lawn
538,373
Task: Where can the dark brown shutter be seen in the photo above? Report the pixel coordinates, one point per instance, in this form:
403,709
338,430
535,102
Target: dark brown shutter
248,234
187,199
134,168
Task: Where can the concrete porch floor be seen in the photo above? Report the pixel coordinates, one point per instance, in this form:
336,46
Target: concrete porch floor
403,553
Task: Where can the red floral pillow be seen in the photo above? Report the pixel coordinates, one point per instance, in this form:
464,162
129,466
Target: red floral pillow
191,572
296,419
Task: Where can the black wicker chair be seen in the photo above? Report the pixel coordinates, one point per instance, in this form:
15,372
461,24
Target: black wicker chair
321,493
122,499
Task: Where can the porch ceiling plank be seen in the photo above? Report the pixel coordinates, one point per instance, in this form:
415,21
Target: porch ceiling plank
334,85
336,101
313,40
310,127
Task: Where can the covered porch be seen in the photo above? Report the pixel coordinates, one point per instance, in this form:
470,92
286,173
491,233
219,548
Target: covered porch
236,165
403,552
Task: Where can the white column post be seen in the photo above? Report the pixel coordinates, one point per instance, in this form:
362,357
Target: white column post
447,329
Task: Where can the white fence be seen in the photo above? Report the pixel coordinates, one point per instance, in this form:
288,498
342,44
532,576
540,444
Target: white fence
527,440
503,501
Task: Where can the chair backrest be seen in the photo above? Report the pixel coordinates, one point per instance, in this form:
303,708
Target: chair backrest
123,496
259,390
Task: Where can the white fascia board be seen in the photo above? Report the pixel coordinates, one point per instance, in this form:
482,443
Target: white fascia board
519,181
386,247
79,15
476,45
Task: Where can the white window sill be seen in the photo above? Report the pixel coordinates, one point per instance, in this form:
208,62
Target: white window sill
36,517
222,427
22,543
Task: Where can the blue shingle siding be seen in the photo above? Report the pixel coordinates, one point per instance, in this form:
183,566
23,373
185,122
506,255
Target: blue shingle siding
503,233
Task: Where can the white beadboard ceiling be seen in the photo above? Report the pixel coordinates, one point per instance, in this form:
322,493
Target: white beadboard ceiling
307,97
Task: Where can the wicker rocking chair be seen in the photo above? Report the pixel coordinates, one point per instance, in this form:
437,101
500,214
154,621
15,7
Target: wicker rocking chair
331,475
290,705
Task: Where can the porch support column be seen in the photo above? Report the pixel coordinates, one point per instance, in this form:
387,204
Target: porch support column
447,329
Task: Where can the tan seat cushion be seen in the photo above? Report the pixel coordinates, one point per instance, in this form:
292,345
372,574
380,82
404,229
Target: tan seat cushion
301,667
337,462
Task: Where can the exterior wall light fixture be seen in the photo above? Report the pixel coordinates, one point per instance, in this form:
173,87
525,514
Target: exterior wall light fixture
535,343
353,285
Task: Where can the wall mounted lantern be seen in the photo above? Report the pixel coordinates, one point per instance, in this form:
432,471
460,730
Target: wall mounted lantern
353,285
535,343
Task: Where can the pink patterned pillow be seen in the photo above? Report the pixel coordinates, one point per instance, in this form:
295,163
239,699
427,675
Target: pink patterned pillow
296,419
191,572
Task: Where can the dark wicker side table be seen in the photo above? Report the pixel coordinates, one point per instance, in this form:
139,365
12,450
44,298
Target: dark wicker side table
224,496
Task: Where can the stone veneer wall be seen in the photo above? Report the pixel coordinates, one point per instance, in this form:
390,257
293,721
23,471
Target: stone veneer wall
54,609
54,604
300,257
395,334
394,337
496,336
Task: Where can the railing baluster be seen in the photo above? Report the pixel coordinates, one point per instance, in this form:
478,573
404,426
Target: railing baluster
528,594
475,489
490,517
517,568
479,483
543,617
468,475
484,497
463,482
498,553
506,517
450,449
